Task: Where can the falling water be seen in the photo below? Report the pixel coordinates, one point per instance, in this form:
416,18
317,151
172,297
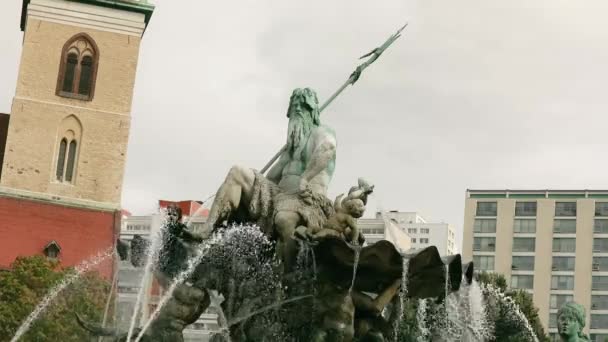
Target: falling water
179,279
355,264
423,330
512,307
83,267
152,254
479,323
405,263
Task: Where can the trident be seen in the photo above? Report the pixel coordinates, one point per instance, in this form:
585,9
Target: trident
354,76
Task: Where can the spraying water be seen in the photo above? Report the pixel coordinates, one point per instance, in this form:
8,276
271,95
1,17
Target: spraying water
423,330
402,296
79,270
512,307
179,279
152,254
355,264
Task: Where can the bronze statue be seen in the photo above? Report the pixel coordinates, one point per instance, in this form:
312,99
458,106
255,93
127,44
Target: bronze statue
570,322
294,191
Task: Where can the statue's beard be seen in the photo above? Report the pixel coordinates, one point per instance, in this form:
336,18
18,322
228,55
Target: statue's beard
298,131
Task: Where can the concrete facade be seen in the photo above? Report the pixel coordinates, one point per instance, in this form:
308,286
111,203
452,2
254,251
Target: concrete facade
424,234
551,243
381,228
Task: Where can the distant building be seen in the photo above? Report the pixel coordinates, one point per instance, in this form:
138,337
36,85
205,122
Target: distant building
551,243
379,228
423,234
130,277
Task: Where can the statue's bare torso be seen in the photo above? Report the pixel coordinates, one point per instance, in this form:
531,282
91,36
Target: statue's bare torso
316,164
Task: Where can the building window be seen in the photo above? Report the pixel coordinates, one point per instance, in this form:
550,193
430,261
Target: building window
52,250
484,226
65,168
600,263
522,281
563,264
553,320
561,226
411,230
423,240
600,245
562,282
601,208
522,263
558,300
564,245
413,240
600,226
484,244
599,283
424,230
599,302
525,209
599,321
78,68
565,209
523,244
483,262
597,338
524,226
486,209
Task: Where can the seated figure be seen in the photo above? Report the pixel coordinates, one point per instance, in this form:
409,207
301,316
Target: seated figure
293,193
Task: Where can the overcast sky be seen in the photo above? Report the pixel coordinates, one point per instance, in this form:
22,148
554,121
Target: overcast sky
476,94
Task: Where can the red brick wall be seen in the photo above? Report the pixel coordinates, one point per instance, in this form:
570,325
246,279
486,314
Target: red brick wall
26,227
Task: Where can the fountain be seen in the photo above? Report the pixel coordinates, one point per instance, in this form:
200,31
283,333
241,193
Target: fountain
252,263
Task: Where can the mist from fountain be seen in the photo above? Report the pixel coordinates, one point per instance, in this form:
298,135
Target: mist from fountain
79,270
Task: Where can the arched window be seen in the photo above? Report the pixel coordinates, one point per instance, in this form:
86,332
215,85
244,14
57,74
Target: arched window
78,68
65,168
61,158
69,139
69,171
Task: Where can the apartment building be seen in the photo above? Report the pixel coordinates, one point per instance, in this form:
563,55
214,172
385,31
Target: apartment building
552,243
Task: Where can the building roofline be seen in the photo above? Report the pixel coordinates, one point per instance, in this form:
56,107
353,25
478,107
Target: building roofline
138,7
528,191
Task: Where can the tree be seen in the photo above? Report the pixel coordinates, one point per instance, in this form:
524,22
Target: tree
508,328
25,285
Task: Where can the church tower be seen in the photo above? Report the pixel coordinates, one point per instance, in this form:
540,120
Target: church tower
70,118
68,129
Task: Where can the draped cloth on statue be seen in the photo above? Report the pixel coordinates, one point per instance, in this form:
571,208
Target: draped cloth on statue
268,199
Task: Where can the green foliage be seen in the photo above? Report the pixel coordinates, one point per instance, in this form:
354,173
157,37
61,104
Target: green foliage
26,284
507,328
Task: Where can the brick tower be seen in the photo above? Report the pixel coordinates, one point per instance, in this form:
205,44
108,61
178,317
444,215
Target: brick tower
66,141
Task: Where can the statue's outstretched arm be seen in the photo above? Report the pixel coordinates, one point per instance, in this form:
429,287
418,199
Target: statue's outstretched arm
322,155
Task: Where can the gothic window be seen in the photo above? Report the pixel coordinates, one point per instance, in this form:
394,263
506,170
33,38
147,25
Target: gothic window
65,168
63,145
70,136
78,68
